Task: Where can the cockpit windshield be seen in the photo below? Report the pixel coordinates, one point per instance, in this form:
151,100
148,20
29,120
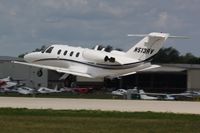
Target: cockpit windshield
49,50
43,50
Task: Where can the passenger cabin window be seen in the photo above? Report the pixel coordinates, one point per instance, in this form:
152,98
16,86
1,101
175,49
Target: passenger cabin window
77,54
65,53
71,53
59,51
49,50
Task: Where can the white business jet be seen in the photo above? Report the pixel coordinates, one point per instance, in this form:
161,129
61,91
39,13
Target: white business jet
94,63
25,90
44,90
143,96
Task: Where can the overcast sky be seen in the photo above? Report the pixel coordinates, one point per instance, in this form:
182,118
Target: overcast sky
29,24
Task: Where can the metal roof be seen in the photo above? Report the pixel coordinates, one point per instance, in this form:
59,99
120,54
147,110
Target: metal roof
186,66
174,68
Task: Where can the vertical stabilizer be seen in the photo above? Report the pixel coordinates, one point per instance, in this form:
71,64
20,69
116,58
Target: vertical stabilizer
148,46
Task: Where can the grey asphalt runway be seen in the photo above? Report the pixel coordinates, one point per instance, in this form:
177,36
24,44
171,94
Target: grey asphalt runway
105,105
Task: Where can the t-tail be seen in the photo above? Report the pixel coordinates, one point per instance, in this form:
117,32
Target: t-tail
149,45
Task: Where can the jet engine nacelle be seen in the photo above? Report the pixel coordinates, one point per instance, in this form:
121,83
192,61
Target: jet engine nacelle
97,56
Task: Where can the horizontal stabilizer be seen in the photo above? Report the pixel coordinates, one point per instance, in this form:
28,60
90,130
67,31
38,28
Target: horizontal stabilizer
179,37
144,35
138,35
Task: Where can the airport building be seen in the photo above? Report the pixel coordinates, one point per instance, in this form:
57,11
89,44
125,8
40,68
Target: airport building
27,75
169,77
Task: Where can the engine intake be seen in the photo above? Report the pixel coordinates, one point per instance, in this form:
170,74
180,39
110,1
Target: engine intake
111,59
97,56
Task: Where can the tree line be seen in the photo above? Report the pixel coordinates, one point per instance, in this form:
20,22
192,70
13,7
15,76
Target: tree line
171,55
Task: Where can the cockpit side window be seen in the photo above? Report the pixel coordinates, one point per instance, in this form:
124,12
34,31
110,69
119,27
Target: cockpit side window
49,50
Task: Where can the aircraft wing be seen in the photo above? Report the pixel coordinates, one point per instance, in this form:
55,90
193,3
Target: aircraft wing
143,67
165,94
183,94
126,74
148,68
58,69
156,94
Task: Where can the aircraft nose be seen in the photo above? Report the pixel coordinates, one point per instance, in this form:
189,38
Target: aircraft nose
29,57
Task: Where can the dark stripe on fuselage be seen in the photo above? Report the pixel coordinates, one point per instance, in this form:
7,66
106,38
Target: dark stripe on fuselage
103,66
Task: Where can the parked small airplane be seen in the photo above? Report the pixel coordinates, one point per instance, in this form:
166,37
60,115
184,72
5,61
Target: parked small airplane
186,95
175,96
25,90
7,83
144,96
94,63
168,97
119,92
82,90
44,90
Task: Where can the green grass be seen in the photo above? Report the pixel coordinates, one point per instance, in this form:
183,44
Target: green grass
83,121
